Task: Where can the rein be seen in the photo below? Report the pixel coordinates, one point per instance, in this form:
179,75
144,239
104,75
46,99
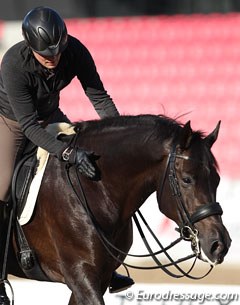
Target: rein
110,247
187,229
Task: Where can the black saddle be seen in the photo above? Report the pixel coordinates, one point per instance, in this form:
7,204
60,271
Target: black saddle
25,170
24,173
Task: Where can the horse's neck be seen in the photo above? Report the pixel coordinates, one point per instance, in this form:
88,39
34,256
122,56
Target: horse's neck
136,179
130,164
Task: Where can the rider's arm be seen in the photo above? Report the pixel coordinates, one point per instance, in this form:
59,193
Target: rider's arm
92,84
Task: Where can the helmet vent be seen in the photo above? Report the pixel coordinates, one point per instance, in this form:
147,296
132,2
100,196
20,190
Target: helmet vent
44,35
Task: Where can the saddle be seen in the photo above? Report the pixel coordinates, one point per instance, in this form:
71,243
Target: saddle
24,173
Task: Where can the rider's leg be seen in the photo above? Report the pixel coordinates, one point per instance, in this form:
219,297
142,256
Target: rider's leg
4,300
10,142
119,282
4,217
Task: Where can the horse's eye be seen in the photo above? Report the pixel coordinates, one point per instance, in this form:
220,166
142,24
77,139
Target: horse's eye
187,180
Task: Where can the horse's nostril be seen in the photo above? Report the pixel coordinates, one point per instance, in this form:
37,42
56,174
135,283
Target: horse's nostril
214,247
218,251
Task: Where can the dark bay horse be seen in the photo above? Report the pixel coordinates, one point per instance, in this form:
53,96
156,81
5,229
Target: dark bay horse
136,156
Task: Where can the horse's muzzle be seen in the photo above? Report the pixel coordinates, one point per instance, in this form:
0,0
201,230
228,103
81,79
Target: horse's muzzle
214,246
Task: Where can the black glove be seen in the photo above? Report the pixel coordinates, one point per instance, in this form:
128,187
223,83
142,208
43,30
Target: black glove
80,158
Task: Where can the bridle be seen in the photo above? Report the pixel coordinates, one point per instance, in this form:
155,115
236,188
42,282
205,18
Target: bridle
187,229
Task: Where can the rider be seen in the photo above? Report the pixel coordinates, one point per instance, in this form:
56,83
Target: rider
33,72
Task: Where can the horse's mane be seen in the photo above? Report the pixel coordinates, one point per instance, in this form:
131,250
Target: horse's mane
128,121
172,127
157,126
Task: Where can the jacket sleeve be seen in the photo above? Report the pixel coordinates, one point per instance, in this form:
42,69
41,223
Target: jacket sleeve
93,86
17,88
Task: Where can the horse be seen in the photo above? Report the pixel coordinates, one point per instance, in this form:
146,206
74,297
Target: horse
135,156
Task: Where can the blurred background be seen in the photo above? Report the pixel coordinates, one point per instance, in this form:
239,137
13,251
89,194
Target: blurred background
180,58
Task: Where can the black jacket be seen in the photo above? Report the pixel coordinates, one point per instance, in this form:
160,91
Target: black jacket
28,96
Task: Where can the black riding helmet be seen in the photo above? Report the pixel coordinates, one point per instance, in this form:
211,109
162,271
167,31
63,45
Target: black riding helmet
45,31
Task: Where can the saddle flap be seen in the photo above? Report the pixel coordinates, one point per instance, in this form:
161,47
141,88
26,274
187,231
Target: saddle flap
23,175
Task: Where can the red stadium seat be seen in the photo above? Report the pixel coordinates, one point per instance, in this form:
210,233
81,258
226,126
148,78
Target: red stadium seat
177,65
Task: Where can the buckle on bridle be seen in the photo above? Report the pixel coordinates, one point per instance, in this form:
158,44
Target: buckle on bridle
191,234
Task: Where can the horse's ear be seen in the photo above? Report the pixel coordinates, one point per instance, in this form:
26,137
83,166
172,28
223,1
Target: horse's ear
212,137
186,136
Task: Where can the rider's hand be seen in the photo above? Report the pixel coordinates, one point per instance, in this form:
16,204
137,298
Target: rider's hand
79,157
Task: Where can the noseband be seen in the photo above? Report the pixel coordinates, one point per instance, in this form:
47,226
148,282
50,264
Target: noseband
187,228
